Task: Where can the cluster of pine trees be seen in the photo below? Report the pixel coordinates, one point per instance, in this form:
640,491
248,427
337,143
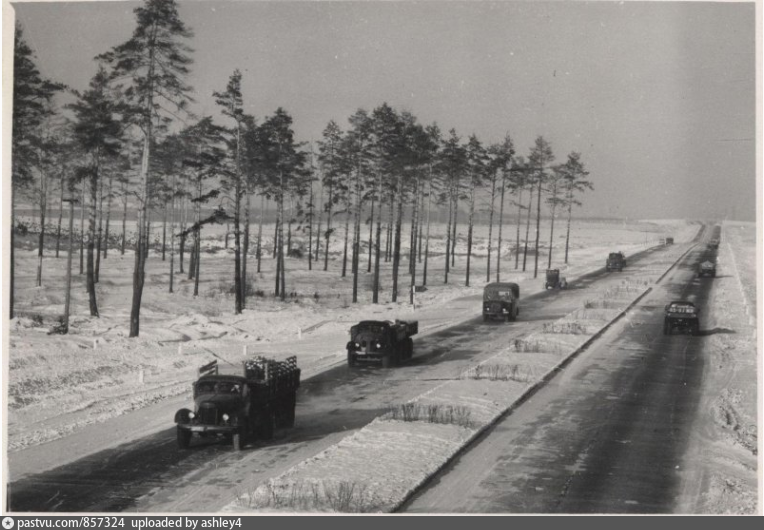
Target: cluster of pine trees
130,137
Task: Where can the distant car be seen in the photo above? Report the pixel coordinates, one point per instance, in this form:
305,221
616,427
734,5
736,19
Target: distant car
669,240
681,315
554,281
615,261
501,300
707,268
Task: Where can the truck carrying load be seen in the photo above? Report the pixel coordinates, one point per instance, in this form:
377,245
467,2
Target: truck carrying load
501,300
381,341
241,406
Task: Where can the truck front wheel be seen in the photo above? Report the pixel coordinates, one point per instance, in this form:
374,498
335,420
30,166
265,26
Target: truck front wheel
387,360
351,359
184,438
238,441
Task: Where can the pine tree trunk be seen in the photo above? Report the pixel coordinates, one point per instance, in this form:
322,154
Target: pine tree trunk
91,242
519,222
259,250
397,243
245,252
427,241
282,271
453,237
490,229
551,239
528,227
538,229
197,259
310,230
108,218
318,228
238,191
276,233
377,249
567,233
390,224
501,226
328,228
345,249
356,234
60,215
41,239
448,239
99,236
124,219
172,235
469,233
164,232
82,229
371,234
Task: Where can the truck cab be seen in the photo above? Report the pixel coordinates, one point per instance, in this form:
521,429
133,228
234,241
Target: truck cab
615,261
707,268
681,315
381,341
501,300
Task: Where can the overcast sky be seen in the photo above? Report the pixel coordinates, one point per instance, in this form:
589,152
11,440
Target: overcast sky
659,97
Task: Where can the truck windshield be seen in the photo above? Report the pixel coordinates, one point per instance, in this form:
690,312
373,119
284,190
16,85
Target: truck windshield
218,387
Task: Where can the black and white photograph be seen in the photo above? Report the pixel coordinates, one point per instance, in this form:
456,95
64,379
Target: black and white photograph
381,257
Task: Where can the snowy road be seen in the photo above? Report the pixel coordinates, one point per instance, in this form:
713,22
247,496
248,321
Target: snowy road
151,474
607,435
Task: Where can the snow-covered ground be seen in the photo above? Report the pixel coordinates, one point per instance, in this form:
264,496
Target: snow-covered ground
726,441
60,383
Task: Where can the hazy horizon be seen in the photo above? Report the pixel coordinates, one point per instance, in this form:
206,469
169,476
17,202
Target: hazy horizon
659,97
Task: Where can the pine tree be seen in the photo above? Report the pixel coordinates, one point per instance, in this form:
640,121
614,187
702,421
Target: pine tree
155,61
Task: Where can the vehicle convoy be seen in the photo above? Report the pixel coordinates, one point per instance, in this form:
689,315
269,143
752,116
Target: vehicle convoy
381,341
501,300
707,268
554,281
241,407
683,316
615,261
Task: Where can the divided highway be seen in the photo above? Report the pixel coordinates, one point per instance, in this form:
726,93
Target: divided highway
152,474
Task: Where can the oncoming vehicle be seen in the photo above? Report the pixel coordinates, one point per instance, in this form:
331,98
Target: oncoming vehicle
501,300
683,316
615,261
669,240
381,341
707,268
554,281
244,406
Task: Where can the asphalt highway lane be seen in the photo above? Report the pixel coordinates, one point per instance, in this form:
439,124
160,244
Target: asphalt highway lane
607,435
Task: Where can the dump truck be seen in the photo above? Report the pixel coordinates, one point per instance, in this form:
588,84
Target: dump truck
706,268
681,315
501,300
381,341
615,261
244,406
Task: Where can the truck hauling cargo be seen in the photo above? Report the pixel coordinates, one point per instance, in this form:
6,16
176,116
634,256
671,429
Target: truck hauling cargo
501,300
615,261
381,341
707,268
241,407
681,315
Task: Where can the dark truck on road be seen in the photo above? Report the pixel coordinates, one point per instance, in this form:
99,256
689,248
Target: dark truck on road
683,316
501,300
706,268
554,280
381,341
615,261
244,406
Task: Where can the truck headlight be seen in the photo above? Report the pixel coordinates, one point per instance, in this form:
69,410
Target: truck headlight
225,417
379,345
191,415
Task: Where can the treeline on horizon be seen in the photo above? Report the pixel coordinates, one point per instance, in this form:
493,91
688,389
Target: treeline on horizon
131,140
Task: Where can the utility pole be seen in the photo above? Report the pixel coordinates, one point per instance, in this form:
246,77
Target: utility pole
65,324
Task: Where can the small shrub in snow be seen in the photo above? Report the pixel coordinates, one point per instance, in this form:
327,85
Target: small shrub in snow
568,328
535,346
498,372
432,413
341,496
